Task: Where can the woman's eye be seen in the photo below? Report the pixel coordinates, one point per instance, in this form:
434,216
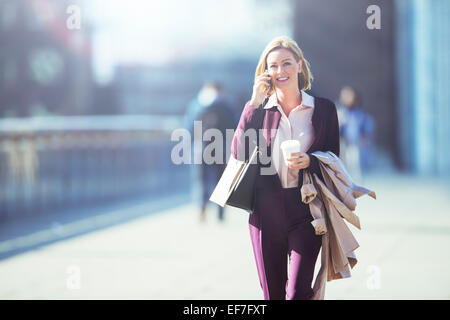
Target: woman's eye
286,64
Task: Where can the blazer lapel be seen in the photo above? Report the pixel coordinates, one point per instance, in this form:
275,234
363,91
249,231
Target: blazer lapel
318,125
272,121
270,124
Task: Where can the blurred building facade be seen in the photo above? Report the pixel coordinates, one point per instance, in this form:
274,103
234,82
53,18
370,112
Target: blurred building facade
166,89
401,71
423,77
342,51
44,65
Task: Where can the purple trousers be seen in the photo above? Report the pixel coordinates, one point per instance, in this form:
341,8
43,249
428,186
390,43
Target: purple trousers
284,244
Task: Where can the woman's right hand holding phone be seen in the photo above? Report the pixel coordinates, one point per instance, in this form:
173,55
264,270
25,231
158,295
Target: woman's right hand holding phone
260,89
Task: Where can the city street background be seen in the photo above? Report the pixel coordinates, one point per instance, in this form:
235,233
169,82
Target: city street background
92,205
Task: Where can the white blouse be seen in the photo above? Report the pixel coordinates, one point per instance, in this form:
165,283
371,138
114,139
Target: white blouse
297,126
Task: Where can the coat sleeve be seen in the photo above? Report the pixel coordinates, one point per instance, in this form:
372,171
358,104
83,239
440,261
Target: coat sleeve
245,136
331,141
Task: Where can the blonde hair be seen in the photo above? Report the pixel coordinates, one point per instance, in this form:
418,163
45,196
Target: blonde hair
284,42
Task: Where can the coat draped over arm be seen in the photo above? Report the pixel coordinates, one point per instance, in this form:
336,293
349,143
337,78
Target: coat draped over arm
332,200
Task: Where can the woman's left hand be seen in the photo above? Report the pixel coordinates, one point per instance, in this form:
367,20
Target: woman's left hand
298,160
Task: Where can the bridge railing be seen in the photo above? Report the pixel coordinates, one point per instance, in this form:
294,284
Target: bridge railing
51,163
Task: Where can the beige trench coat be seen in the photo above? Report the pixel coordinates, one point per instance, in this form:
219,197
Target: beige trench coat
330,204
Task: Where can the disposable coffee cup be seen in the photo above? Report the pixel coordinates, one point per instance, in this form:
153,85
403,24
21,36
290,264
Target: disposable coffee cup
288,147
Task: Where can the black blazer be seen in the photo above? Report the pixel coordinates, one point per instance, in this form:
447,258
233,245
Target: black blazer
324,121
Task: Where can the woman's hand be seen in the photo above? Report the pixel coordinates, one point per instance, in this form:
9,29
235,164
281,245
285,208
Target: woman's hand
298,160
260,89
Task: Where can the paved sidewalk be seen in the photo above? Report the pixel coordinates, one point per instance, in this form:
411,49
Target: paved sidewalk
403,255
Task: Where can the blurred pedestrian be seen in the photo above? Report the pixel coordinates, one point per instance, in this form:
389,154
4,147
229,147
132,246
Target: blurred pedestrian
284,241
357,133
213,110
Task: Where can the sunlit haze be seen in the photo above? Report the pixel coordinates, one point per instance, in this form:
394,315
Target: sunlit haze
154,32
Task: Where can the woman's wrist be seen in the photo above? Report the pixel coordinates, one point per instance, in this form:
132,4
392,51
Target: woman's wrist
255,102
310,160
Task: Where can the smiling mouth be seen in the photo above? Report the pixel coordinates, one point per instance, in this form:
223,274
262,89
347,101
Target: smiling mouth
282,79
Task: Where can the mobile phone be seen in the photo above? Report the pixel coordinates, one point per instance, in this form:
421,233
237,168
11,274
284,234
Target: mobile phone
269,83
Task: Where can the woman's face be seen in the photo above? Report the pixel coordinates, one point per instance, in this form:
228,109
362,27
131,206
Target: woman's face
283,68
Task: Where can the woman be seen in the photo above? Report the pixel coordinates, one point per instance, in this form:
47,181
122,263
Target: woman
280,228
